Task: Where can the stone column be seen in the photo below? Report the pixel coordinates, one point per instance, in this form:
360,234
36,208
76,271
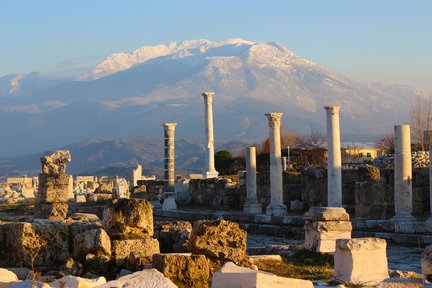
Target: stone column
284,163
403,174
334,162
251,205
169,154
276,207
208,104
288,155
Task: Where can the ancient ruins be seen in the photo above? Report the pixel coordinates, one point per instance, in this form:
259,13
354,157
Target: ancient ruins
213,230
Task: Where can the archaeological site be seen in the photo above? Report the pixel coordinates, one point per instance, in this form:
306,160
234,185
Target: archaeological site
275,223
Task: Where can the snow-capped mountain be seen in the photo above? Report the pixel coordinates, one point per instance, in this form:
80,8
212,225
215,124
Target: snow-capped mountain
132,94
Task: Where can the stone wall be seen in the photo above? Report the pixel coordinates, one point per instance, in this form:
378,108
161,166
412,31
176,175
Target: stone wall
216,193
366,188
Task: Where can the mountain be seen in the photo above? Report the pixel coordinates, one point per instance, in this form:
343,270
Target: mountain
119,156
131,94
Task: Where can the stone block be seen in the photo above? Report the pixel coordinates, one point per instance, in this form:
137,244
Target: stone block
245,278
252,208
121,249
49,240
53,189
77,282
7,276
96,242
188,269
219,239
426,261
327,214
173,236
321,236
361,261
129,219
51,211
151,278
80,198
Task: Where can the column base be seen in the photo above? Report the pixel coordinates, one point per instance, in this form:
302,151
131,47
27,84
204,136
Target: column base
252,209
403,223
211,174
169,202
278,209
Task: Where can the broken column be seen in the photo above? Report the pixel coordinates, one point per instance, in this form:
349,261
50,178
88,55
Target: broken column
251,205
323,226
402,175
361,261
334,162
53,193
136,175
169,170
208,104
276,207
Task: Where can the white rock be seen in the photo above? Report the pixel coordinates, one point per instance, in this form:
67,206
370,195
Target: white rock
232,275
27,284
361,261
150,278
70,281
7,276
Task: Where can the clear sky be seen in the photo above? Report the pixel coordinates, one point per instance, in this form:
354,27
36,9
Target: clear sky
367,40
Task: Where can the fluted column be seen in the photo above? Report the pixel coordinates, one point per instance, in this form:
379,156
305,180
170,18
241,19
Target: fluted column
169,154
403,174
251,205
334,161
208,104
276,207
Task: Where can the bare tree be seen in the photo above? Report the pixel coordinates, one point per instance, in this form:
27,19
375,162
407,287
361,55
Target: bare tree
314,138
420,121
288,138
387,143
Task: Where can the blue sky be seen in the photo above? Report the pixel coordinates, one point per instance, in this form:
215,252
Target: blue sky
368,40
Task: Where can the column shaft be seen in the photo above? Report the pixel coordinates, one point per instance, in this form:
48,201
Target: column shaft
334,161
169,155
208,105
276,207
402,173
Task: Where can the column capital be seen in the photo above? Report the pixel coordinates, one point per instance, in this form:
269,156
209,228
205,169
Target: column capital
274,118
208,95
169,126
332,109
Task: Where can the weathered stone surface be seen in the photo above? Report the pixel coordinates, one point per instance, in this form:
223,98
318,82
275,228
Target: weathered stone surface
22,239
85,217
27,284
129,219
96,242
371,200
99,197
193,270
327,214
77,282
321,236
7,276
361,261
173,236
426,261
54,162
53,188
323,225
121,249
151,278
71,267
219,239
51,211
245,278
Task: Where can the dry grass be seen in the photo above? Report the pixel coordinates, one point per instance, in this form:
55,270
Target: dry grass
303,265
